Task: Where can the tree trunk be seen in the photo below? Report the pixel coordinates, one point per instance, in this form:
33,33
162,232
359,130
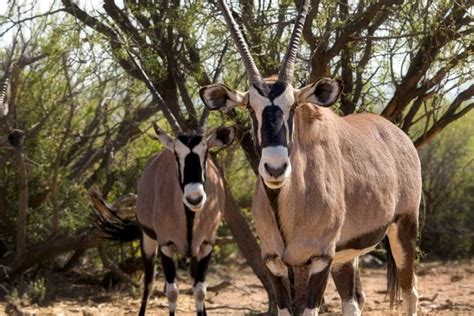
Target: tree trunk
73,260
247,242
52,248
22,219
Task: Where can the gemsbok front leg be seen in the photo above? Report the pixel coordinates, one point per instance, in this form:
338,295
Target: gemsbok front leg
347,280
199,272
169,268
402,236
278,272
319,269
148,246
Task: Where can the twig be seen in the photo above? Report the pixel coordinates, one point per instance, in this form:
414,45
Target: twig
189,291
113,267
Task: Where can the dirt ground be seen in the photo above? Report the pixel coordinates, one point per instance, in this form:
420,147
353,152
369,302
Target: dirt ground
445,289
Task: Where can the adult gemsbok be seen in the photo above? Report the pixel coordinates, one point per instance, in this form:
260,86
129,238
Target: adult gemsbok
329,187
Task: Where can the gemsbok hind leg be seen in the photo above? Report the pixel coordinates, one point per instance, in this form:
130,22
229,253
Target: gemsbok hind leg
347,280
320,267
402,237
199,272
278,272
169,269
148,247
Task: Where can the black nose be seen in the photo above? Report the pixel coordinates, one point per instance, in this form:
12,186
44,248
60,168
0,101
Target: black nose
275,172
194,201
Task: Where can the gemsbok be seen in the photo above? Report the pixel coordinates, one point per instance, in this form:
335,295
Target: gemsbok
179,205
329,187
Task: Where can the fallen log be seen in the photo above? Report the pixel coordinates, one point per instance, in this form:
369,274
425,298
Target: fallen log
59,244
49,249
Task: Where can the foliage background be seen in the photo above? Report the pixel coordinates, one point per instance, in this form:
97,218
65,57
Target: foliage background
87,115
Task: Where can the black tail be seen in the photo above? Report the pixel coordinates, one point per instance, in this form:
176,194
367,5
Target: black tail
109,223
393,282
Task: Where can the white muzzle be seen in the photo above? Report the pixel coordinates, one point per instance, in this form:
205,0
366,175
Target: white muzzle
275,166
194,196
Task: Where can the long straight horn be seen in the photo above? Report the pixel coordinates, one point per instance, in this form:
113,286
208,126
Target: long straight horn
201,128
288,66
161,103
252,72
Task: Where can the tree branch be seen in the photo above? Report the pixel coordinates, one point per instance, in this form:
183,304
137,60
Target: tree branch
449,116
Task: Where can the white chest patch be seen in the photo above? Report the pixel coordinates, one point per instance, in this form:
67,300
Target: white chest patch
346,255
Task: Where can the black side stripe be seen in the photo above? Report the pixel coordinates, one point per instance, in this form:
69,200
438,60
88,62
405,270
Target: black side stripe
146,230
364,241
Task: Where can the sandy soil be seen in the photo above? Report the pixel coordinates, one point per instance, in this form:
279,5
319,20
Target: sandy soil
445,289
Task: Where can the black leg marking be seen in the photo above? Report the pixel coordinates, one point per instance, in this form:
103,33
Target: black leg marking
169,269
193,267
201,269
282,292
347,280
316,286
280,281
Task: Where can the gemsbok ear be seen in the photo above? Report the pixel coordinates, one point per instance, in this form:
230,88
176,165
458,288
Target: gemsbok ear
219,96
164,138
323,92
221,136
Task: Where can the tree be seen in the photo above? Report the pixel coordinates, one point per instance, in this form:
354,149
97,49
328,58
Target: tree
447,185
405,60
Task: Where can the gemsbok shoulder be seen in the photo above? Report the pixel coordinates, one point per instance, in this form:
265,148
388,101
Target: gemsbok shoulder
329,187
180,201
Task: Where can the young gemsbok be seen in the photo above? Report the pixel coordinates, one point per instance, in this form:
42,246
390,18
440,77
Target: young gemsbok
329,187
180,201
179,205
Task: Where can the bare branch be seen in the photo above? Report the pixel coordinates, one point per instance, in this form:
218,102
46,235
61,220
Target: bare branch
449,116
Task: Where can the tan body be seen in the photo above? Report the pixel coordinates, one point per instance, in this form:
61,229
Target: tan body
351,176
160,205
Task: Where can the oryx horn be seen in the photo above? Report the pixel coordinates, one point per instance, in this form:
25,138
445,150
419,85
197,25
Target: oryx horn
252,71
288,66
201,128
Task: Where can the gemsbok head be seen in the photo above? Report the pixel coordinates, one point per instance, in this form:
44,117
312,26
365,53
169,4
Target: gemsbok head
190,150
272,103
330,188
